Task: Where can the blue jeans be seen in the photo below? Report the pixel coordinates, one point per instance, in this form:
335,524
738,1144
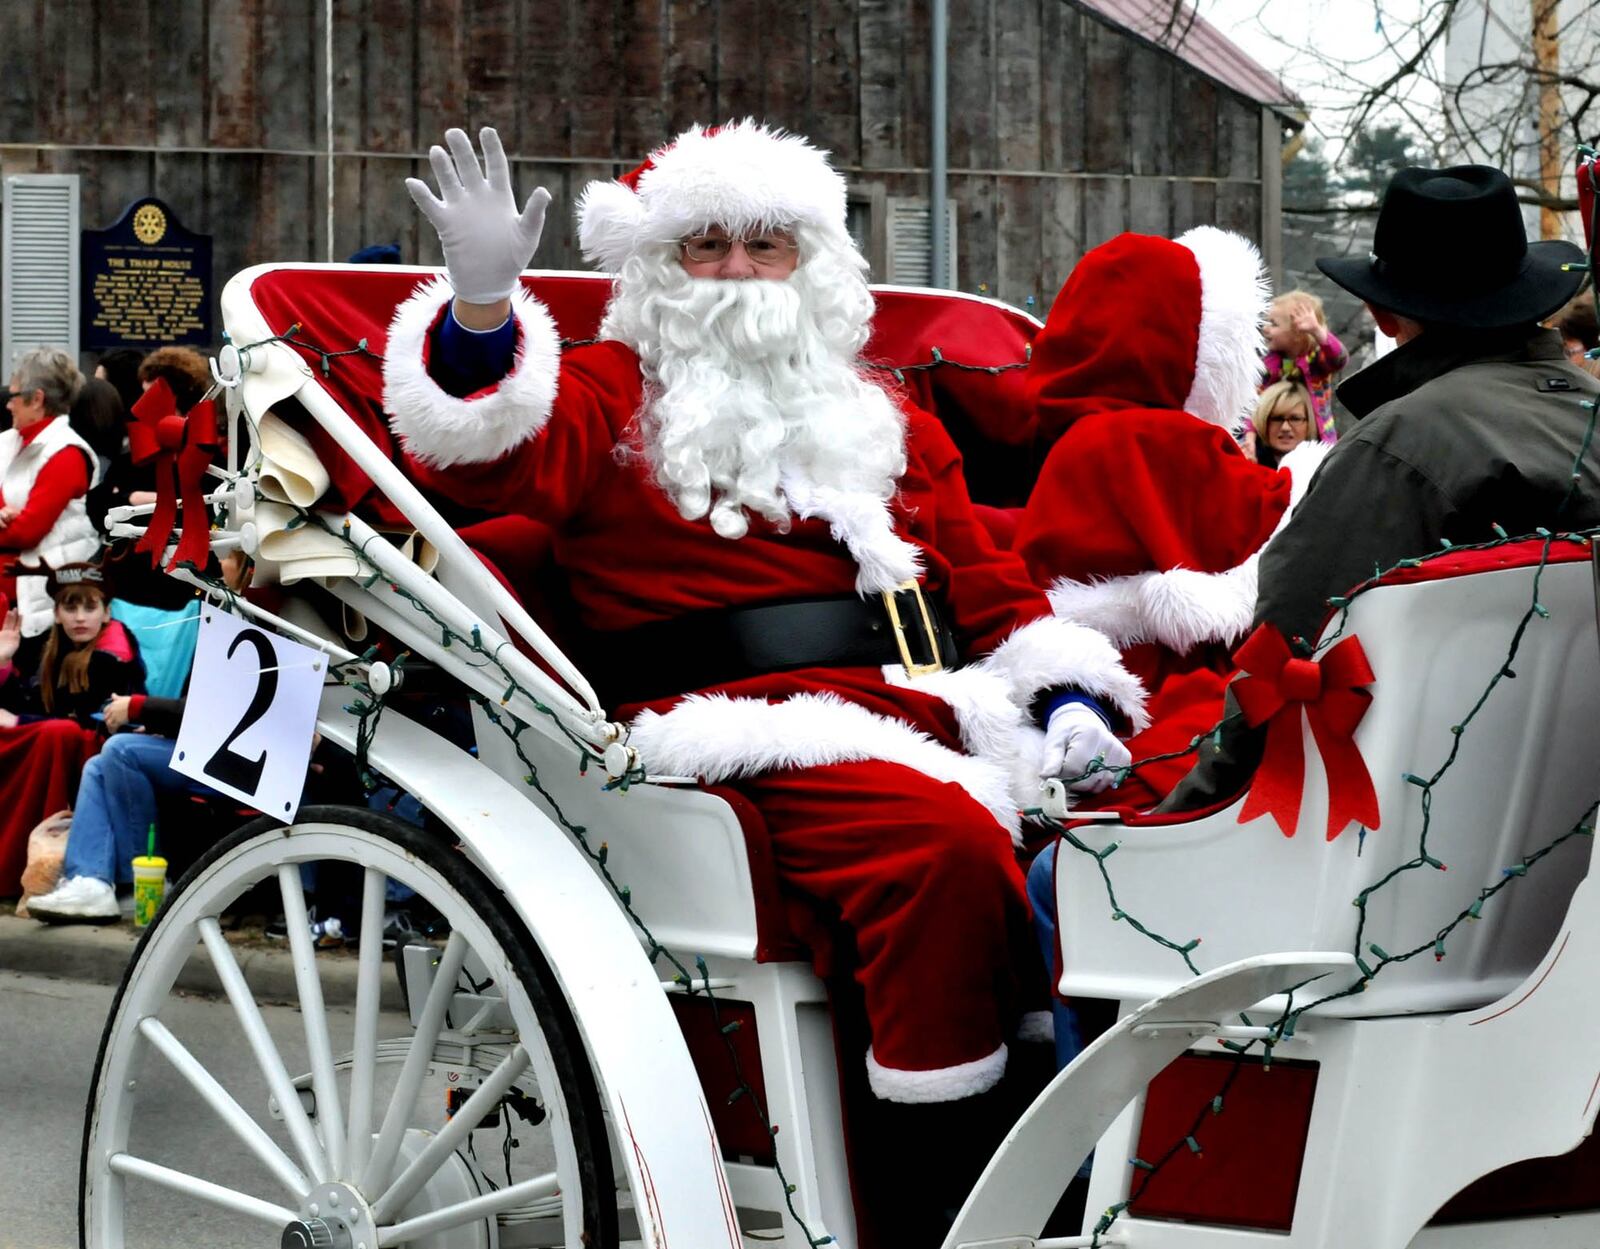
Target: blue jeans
1042,898
117,805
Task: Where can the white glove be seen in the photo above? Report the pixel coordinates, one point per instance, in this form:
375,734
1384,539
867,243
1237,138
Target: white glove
487,244
1075,737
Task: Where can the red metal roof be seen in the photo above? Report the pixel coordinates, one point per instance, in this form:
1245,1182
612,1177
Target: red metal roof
1175,26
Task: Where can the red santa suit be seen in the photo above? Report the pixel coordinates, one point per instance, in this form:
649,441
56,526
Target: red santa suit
1147,519
892,799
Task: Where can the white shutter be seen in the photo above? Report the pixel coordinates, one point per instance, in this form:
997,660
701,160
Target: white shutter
911,242
39,288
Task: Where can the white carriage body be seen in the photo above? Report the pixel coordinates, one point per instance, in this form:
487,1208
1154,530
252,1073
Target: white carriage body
1526,771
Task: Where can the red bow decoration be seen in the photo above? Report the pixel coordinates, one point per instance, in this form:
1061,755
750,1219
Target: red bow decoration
1272,691
182,448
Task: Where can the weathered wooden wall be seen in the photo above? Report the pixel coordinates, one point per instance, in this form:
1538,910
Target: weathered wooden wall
1063,130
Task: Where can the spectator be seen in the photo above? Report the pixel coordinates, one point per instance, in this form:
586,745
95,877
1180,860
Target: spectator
100,418
115,808
1301,347
121,369
1579,333
116,802
50,694
46,470
82,661
1281,421
183,368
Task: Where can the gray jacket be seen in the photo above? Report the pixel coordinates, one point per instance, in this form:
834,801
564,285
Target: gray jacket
1460,431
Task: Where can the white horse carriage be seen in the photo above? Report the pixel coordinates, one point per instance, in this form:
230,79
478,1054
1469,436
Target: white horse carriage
613,979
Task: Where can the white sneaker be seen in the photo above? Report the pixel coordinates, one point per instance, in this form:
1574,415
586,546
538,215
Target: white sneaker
83,899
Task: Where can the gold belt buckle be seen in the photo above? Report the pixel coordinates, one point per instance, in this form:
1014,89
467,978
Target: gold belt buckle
911,666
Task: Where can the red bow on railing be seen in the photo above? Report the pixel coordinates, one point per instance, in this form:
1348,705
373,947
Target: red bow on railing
1275,687
182,448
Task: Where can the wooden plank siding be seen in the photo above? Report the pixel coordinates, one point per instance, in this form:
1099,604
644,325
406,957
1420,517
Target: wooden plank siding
1063,129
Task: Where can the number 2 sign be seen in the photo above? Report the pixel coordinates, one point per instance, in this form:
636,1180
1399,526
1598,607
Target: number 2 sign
251,713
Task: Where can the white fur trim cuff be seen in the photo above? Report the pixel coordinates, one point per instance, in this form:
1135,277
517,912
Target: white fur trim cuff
1182,608
943,1084
1050,652
721,738
1233,303
441,430
1037,1026
1179,608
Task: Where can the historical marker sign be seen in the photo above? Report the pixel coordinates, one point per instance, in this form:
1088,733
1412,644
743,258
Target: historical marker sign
146,281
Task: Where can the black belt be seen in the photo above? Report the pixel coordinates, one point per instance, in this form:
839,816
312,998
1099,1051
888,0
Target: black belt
709,648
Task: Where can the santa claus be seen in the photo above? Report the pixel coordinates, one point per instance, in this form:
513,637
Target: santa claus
1147,521
775,556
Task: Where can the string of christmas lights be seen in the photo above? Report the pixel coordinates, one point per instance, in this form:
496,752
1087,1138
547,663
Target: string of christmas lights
369,707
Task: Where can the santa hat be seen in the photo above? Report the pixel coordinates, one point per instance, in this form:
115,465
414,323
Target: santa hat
741,176
1147,322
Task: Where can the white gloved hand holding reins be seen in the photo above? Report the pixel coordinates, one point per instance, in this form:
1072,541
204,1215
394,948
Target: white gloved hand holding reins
1073,739
487,242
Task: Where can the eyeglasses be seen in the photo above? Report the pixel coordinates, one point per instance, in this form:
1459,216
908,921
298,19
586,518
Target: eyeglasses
15,394
767,249
1276,419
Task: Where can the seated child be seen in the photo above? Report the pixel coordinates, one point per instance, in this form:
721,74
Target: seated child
51,690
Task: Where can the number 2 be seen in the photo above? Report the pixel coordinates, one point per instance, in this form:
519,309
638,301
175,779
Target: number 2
231,768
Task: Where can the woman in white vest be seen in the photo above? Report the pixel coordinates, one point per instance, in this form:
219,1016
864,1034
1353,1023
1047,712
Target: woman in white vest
46,471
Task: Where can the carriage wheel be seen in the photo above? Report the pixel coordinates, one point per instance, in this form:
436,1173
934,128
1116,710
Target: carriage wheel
336,1117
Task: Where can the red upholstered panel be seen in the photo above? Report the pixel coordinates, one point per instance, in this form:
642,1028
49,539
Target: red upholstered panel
1247,1172
1523,554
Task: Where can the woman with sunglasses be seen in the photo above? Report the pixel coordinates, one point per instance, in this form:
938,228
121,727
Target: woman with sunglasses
46,470
1282,421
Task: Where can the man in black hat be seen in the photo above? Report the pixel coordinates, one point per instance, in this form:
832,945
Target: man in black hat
1475,419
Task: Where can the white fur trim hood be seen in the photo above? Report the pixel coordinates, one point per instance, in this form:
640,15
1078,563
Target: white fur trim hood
1233,304
1181,608
741,176
441,430
943,1084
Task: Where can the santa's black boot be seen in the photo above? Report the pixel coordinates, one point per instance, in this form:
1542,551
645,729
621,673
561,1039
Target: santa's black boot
927,1159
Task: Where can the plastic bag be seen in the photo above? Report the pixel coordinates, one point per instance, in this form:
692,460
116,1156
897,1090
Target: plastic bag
47,846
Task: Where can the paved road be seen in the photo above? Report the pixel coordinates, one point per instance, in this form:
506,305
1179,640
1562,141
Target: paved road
49,1035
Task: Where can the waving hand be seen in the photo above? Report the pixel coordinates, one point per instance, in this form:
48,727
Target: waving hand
487,242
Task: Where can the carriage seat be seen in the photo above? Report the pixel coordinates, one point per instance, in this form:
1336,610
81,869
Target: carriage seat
516,549
1525,771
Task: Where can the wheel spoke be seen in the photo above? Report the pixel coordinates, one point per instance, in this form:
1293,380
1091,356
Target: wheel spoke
484,1099
380,1166
205,1190
369,984
228,1110
330,1118
545,1185
266,1052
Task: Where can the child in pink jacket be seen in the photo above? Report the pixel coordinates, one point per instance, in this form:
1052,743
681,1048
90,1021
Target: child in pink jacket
1301,347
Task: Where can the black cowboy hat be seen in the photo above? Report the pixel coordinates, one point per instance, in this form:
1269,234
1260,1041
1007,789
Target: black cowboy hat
1450,249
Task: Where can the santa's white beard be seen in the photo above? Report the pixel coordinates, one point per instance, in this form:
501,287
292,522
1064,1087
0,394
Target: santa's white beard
753,399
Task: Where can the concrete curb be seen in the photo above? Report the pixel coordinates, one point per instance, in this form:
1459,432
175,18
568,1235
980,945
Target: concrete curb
99,954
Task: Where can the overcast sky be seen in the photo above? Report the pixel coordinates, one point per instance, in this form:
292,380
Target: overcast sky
1368,36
